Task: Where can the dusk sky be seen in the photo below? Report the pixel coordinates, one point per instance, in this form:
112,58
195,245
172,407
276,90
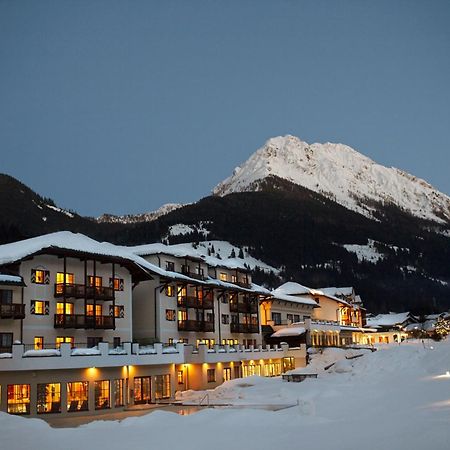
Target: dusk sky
119,107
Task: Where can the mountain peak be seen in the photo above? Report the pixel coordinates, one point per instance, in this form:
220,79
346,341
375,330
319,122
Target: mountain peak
340,173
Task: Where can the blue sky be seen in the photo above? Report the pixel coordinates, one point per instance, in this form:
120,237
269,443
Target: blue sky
121,106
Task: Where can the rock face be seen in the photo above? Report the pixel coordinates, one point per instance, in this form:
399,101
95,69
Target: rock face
341,174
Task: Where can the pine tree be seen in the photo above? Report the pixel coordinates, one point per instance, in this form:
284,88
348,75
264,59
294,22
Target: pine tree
241,254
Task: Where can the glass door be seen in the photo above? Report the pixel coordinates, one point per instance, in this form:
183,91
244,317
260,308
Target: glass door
142,390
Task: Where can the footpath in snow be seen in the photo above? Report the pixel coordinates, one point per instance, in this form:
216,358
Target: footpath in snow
395,398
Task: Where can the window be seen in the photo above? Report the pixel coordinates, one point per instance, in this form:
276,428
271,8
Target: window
116,283
60,308
208,342
93,341
19,398
38,342
211,375
39,276
170,266
48,398
227,374
117,311
182,315
97,280
233,278
162,386
170,315
90,310
288,363
116,342
225,319
40,307
200,271
6,340
77,396
209,317
185,268
181,294
180,377
6,296
223,276
234,318
118,393
170,291
64,340
290,317
276,317
237,372
101,390
296,318
70,279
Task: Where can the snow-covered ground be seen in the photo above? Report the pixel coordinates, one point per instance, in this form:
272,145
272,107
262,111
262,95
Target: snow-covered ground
395,398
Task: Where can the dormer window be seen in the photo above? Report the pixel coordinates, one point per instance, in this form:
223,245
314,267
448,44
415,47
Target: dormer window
223,276
170,266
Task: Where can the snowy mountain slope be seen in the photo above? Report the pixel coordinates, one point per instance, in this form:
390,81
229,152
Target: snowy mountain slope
136,218
341,174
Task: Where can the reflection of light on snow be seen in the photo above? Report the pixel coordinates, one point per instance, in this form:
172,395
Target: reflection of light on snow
441,404
446,375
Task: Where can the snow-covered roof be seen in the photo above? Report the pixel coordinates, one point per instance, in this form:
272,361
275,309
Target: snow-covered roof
187,251
11,280
292,288
289,331
337,291
304,300
66,240
391,319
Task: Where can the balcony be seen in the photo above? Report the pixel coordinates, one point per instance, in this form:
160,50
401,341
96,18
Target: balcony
244,307
83,291
83,321
244,328
244,284
12,311
191,301
195,325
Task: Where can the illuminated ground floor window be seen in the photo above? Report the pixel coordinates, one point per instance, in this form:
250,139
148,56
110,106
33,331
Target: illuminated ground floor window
272,369
180,377
227,374
77,396
288,364
48,398
19,398
251,369
101,389
162,386
118,392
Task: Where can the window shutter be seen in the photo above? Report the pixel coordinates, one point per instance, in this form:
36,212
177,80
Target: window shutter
111,310
111,283
32,306
121,284
47,308
47,277
122,312
33,275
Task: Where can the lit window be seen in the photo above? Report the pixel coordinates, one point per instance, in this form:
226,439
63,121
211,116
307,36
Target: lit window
223,276
162,386
19,398
182,315
77,396
180,377
211,375
39,307
64,340
225,319
40,276
116,283
101,394
70,279
170,315
118,393
90,310
98,281
170,291
60,308
48,398
227,374
38,342
119,311
233,278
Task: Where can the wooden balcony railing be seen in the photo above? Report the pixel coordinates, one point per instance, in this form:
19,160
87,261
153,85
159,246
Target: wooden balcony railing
195,325
83,291
83,321
12,311
189,301
244,284
244,328
243,307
